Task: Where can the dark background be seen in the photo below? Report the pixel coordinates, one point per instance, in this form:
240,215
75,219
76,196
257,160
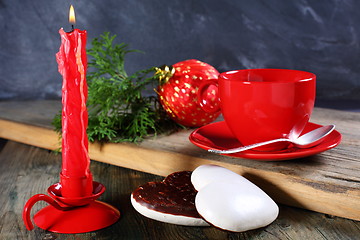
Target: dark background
321,36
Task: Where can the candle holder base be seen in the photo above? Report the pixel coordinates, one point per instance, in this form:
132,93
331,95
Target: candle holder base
71,215
88,218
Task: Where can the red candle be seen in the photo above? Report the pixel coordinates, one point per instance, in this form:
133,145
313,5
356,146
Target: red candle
75,176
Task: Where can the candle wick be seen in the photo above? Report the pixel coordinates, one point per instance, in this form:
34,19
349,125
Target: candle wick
72,27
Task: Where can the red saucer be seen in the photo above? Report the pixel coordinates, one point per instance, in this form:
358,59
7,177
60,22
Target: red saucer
217,135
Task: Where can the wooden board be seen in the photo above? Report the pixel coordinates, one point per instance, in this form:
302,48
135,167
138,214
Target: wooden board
328,182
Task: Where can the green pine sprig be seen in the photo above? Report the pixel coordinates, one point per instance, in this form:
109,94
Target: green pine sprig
117,108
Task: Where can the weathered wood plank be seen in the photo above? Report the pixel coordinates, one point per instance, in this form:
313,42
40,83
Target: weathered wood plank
27,170
328,182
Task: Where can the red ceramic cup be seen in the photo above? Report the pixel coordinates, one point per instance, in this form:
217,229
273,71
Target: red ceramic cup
264,104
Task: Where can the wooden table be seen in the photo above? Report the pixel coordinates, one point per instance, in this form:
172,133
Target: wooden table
328,182
26,170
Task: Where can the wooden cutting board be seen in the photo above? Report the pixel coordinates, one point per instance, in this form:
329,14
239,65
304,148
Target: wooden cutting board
328,182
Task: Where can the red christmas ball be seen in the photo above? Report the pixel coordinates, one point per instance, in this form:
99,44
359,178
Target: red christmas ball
178,92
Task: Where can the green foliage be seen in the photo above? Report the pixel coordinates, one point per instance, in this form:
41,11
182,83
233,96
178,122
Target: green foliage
117,109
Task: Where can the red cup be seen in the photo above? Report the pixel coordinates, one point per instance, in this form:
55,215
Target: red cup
264,104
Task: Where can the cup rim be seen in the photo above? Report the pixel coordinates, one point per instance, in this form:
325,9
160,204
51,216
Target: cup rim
304,76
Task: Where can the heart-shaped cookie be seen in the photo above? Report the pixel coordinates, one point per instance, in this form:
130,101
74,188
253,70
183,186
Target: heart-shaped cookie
230,201
171,201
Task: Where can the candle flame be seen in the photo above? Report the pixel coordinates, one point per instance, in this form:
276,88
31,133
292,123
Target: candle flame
72,15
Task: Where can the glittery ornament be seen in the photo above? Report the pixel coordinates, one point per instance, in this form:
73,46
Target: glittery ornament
178,92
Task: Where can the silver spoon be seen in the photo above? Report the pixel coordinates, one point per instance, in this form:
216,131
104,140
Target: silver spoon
307,140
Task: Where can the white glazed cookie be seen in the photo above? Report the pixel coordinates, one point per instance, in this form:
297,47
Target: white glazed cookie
230,201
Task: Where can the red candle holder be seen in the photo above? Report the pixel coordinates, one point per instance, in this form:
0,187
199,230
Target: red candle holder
73,206
71,215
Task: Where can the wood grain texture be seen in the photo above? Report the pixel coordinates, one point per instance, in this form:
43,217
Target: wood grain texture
26,170
328,182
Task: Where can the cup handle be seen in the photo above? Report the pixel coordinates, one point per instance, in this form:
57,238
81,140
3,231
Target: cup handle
208,97
31,202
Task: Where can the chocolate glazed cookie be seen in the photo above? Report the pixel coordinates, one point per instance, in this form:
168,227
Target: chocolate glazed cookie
171,201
